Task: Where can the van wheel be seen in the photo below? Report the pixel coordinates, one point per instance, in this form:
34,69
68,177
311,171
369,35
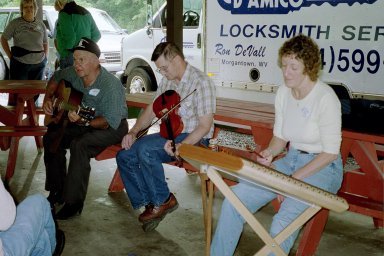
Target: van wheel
139,81
3,68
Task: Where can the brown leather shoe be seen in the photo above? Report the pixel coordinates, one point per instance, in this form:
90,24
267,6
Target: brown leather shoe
159,212
148,210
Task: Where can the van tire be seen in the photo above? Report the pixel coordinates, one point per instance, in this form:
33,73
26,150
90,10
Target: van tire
139,81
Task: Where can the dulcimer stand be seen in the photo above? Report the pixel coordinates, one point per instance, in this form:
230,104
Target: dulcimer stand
219,164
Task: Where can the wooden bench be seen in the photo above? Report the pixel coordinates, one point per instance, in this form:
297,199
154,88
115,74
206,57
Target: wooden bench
39,110
363,186
10,136
6,132
20,131
116,184
246,117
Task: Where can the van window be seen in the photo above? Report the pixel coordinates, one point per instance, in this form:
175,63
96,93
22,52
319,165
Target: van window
193,5
191,14
46,23
14,15
3,20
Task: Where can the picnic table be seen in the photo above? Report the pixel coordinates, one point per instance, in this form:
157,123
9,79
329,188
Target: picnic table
20,120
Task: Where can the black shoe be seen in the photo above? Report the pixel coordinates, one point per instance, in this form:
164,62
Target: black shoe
69,211
60,242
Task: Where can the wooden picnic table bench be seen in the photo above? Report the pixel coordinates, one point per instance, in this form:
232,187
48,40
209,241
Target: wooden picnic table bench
39,110
16,132
20,120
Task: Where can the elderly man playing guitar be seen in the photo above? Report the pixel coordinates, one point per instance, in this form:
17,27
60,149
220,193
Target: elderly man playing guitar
86,128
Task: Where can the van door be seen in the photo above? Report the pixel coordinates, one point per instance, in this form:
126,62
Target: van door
191,30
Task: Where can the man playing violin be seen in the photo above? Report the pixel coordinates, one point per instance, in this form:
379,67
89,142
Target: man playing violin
140,162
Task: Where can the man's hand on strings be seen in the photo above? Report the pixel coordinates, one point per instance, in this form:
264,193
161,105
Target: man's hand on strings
73,116
48,107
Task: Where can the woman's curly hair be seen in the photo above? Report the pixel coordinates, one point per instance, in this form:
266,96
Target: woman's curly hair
303,48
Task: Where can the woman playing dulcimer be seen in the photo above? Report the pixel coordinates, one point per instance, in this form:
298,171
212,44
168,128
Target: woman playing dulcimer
308,116
140,162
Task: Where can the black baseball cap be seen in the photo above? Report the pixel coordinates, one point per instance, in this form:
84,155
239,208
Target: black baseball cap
86,44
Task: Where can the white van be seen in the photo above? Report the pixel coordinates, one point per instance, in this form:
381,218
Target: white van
138,71
109,43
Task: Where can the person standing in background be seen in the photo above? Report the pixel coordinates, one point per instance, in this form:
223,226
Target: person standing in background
58,7
28,55
73,23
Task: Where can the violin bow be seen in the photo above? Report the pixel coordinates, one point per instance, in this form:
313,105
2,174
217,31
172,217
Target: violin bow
143,132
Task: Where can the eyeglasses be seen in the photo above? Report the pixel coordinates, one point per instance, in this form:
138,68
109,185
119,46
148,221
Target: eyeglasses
163,69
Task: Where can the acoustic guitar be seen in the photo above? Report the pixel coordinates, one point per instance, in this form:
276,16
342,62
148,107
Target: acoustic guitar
65,99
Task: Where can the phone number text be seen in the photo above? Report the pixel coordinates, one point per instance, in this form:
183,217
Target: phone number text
355,60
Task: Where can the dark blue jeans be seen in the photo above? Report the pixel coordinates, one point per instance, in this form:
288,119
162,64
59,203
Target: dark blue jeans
142,171
22,71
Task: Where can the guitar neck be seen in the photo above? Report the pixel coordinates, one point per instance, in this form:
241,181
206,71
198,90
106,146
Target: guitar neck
69,107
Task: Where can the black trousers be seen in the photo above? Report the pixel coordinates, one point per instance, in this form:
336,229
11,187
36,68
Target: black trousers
84,143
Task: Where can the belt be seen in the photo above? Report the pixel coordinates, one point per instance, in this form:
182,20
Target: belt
305,152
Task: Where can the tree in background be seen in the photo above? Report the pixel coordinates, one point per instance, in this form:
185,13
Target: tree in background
130,15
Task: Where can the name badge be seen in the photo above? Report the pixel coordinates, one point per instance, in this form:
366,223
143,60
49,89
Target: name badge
94,92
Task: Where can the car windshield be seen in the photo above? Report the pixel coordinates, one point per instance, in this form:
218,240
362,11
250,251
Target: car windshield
105,23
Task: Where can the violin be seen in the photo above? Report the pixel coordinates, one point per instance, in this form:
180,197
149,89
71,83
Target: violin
166,107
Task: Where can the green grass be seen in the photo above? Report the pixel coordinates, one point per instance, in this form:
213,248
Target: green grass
133,112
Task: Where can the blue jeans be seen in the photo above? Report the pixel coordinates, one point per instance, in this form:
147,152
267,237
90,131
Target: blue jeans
22,71
230,224
142,171
33,232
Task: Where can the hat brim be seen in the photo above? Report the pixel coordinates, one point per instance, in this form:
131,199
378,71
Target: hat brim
83,49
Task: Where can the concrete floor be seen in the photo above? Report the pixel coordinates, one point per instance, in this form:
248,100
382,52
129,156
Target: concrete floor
109,226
